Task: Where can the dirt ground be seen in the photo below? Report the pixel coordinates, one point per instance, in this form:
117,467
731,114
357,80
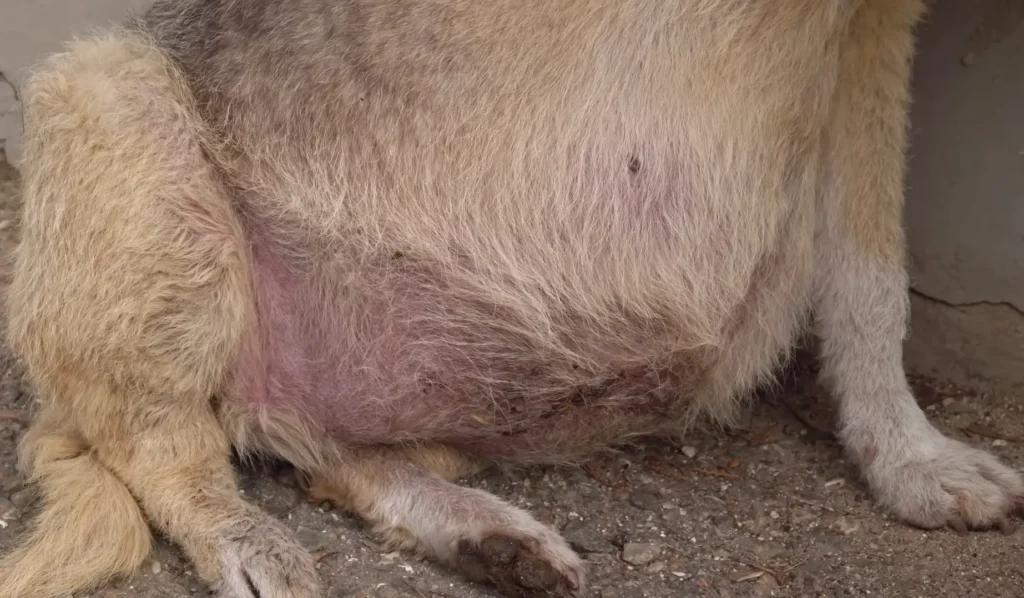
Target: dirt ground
767,509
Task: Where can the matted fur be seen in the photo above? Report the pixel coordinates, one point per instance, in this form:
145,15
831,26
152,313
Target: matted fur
394,242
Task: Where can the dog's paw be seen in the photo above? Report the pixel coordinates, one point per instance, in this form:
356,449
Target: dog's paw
522,565
263,560
938,481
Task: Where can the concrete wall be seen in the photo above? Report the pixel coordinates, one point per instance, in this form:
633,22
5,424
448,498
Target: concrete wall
965,211
965,202
965,193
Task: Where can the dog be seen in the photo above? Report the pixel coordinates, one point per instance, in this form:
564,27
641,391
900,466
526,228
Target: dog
396,242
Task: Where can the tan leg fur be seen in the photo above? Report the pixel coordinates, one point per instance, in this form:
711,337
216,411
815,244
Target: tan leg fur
129,300
86,511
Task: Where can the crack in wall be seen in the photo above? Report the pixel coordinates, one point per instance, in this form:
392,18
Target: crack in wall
14,88
4,81
982,303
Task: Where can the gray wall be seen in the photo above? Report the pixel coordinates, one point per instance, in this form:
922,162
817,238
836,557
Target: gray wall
965,194
965,204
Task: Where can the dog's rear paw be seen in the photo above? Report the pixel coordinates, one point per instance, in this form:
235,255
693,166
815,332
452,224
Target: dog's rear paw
265,561
527,568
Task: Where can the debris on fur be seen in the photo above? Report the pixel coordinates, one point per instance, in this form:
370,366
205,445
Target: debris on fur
508,564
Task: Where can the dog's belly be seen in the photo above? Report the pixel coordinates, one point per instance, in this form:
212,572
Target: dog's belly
387,346
527,273
409,356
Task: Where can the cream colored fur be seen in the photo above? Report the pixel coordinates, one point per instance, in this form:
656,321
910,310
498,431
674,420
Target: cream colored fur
668,185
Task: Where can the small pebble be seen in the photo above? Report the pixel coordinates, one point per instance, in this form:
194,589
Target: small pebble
646,500
311,539
767,551
801,516
287,478
7,509
585,538
959,408
155,567
22,498
999,442
845,526
689,451
765,586
640,553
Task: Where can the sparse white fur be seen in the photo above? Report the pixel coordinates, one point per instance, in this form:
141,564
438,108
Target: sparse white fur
914,471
